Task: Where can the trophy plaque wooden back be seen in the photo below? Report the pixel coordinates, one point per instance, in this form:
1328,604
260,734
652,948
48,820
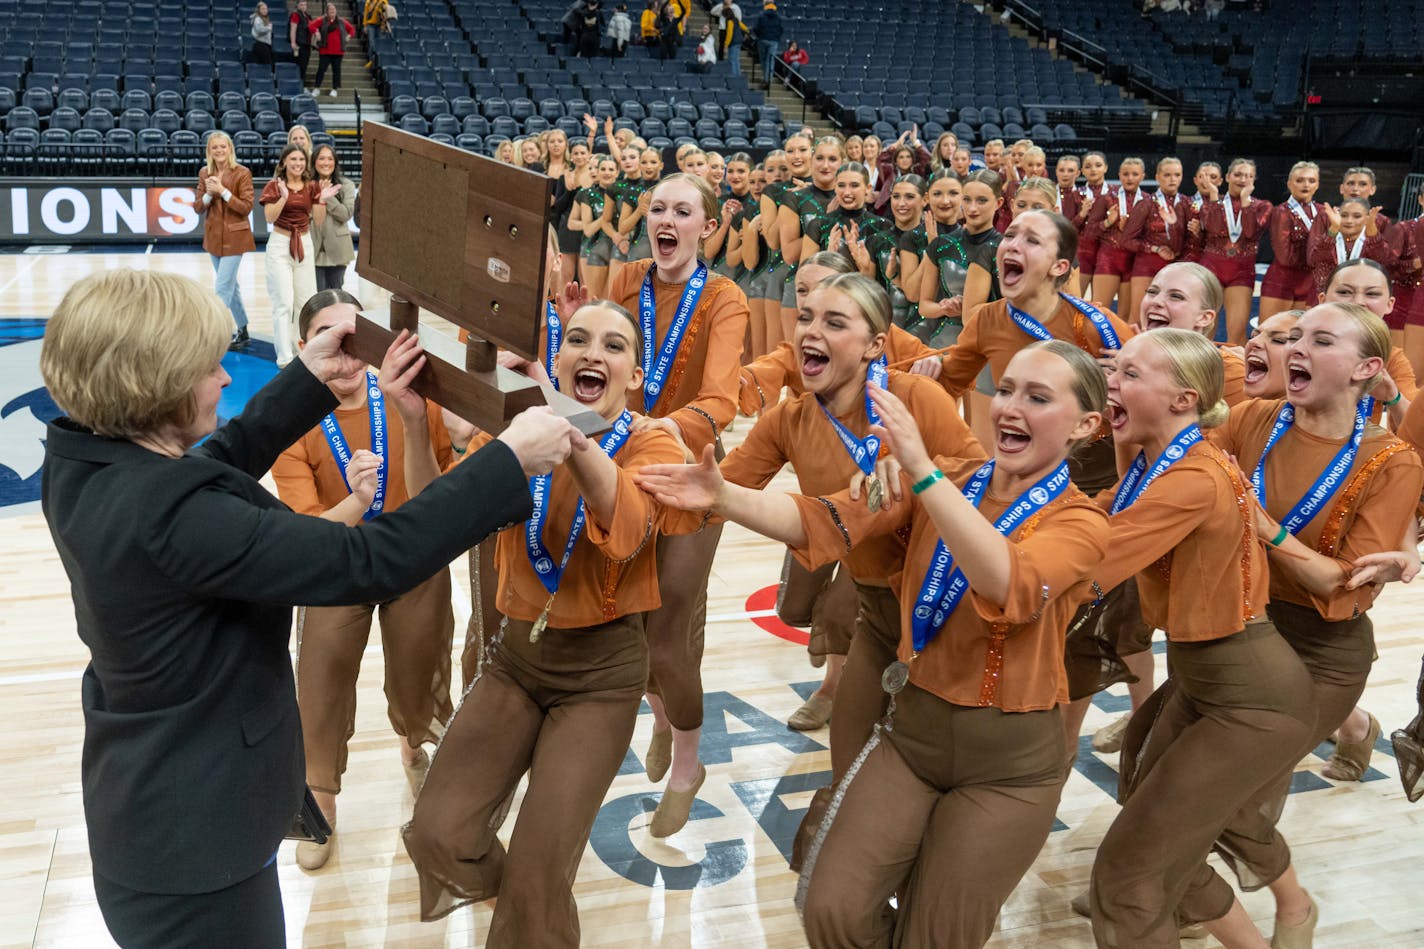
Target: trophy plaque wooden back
465,237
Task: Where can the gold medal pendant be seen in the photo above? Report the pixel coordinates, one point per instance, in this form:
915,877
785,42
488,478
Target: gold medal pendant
874,494
542,623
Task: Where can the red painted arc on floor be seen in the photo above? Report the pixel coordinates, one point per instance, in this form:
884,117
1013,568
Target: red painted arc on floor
765,599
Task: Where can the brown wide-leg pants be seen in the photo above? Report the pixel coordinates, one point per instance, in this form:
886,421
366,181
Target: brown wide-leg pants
823,599
484,613
416,632
676,629
860,702
1338,656
1233,713
562,709
948,810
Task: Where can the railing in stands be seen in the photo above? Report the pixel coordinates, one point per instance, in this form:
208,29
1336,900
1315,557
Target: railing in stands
1083,50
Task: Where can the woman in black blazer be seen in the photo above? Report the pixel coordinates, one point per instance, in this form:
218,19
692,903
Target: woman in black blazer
184,569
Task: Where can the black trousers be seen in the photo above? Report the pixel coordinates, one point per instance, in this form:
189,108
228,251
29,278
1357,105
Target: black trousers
334,61
330,278
303,57
247,914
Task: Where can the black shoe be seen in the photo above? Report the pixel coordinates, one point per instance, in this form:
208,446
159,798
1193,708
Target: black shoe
239,339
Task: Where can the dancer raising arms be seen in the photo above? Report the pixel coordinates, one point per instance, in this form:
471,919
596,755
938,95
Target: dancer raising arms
693,324
1231,227
1288,284
1156,231
1193,755
951,800
559,695
841,335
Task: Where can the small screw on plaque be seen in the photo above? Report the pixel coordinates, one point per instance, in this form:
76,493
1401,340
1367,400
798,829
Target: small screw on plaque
494,306
513,231
489,221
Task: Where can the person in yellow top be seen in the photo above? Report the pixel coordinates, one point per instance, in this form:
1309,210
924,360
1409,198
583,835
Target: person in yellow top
648,24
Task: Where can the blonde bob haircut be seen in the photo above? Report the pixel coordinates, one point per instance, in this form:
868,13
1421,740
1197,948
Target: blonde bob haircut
125,350
1196,365
868,296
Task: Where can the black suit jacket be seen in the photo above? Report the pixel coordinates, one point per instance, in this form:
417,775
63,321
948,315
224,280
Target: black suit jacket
183,574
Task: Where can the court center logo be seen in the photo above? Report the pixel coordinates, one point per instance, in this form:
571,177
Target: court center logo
25,407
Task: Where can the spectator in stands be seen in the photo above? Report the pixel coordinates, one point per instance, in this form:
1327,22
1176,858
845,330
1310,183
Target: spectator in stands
298,135
648,24
331,238
769,29
226,202
262,36
299,35
331,32
854,149
620,31
730,29
506,153
588,27
292,202
376,16
668,34
569,21
795,55
706,51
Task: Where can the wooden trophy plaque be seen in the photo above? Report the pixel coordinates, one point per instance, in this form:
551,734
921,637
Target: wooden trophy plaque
464,237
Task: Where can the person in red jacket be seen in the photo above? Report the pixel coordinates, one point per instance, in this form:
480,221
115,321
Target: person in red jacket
795,55
329,36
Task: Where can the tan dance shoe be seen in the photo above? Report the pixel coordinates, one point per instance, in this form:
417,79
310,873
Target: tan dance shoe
1299,936
1109,738
814,713
659,757
674,808
416,771
1351,758
312,855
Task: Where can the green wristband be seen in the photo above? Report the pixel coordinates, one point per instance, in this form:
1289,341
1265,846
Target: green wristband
1397,396
1281,537
925,482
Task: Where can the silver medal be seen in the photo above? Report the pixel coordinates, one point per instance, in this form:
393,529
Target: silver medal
894,678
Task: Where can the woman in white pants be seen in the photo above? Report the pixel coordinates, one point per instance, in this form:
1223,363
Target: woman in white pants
293,202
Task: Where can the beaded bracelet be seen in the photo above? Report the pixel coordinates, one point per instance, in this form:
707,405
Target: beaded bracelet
925,482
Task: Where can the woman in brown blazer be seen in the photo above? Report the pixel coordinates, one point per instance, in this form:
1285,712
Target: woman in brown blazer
225,197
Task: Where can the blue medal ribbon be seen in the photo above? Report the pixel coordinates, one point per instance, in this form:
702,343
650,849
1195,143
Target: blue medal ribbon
1329,480
548,572
376,407
863,451
1133,483
945,584
556,339
655,374
1095,316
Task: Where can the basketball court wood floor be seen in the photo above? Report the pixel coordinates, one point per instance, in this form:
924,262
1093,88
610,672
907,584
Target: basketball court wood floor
720,882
